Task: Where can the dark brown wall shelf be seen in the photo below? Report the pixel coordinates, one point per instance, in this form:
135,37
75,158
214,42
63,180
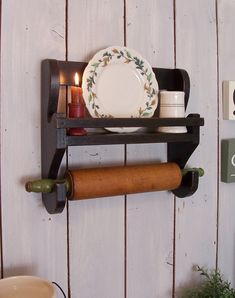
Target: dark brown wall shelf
107,138
54,128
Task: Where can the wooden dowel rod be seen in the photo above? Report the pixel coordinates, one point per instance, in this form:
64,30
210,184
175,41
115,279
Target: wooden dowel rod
113,181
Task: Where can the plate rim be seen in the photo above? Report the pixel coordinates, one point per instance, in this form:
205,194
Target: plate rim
112,54
131,56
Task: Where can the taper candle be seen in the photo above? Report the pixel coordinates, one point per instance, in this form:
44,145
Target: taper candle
76,107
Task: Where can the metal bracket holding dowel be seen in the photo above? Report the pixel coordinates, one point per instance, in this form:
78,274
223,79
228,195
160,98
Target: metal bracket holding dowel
55,139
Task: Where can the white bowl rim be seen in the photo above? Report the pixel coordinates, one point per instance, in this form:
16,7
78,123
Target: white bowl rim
29,277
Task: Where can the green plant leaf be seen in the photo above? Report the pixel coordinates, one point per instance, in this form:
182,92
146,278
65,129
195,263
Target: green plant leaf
90,98
212,286
149,77
128,54
96,64
145,114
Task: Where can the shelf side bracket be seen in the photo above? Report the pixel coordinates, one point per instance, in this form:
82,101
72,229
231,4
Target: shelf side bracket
53,140
180,153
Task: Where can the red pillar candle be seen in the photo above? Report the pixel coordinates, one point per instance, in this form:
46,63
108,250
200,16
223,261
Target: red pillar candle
76,91
76,107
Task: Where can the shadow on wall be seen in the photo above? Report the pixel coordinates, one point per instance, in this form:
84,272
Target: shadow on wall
192,281
19,270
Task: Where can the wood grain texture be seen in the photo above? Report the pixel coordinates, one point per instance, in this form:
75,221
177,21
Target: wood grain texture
96,227
196,52
150,216
34,242
226,245
113,181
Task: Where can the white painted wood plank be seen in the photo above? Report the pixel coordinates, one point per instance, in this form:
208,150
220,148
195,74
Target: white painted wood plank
196,216
1,265
150,216
96,227
34,242
145,21
226,257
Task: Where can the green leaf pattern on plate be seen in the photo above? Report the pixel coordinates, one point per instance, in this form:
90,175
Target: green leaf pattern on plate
126,56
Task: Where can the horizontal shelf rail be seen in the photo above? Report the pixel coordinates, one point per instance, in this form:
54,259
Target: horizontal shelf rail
63,122
128,138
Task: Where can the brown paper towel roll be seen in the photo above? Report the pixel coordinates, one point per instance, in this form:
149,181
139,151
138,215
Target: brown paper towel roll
113,181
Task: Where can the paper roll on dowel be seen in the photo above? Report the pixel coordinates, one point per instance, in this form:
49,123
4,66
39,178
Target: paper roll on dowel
113,181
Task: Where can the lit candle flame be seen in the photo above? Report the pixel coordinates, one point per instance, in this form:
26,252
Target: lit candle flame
76,79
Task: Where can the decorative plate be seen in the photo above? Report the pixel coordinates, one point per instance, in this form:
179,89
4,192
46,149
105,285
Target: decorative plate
118,82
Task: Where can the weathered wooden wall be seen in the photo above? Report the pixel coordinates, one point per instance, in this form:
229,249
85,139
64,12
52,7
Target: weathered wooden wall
132,246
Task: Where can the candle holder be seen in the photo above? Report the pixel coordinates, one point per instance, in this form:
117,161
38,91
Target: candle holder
77,110
76,107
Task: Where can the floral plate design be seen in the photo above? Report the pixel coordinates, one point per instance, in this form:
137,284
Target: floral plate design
119,83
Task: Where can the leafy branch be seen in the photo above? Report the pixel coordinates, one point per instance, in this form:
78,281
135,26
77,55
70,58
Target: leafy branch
213,286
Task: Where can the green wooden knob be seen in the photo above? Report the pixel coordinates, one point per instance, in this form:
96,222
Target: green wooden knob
44,185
